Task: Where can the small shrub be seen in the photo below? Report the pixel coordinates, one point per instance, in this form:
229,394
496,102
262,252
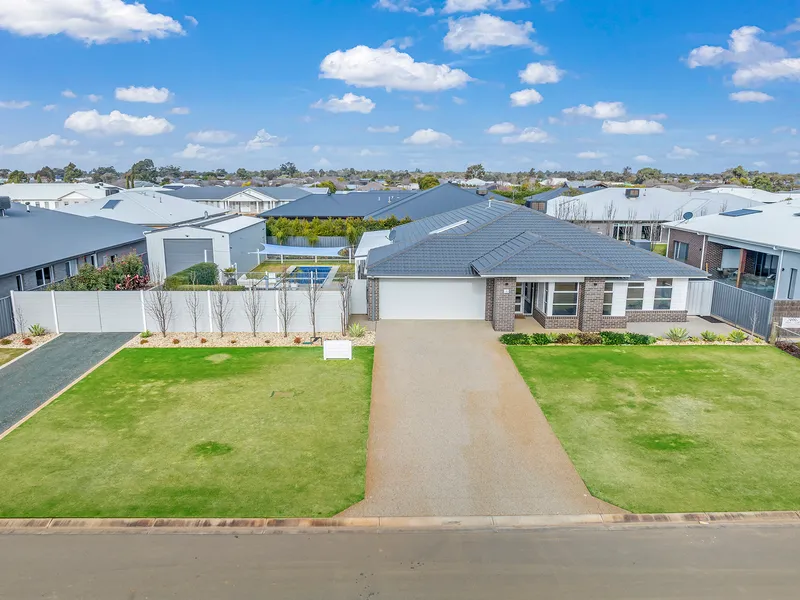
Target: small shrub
515,339
639,339
233,341
694,339
144,342
589,339
5,342
709,336
176,341
145,334
612,338
298,340
37,330
566,338
203,341
27,342
267,341
677,334
356,330
541,339
789,347
737,336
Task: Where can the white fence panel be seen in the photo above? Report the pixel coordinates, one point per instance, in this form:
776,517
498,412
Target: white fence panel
119,311
37,308
701,294
181,315
78,312
358,297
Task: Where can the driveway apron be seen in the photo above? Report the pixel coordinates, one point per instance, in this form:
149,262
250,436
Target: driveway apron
34,378
454,430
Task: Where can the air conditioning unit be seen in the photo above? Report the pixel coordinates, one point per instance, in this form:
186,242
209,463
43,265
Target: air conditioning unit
643,244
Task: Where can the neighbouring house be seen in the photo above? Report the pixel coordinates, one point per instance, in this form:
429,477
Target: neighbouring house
39,247
57,195
242,200
539,201
754,194
756,249
146,207
369,240
497,261
638,213
228,241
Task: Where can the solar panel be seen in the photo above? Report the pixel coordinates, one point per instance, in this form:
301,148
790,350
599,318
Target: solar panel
111,204
741,212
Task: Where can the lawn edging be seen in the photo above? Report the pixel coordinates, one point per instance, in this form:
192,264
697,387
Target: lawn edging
377,524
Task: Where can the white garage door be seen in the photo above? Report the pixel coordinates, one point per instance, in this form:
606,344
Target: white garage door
432,299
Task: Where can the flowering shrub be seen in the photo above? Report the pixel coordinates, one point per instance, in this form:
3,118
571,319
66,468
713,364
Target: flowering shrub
137,282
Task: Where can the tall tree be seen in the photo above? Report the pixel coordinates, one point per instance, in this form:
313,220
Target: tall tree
428,181
144,170
45,173
289,169
242,173
71,173
17,176
475,172
648,173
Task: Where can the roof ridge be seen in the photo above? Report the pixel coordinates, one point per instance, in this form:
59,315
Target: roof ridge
525,233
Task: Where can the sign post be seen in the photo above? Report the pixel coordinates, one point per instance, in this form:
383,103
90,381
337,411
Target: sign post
337,350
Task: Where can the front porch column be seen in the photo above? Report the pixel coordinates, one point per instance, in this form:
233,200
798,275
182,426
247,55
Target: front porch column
590,306
504,299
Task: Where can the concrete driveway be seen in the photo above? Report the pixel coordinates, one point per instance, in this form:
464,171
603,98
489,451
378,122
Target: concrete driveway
454,430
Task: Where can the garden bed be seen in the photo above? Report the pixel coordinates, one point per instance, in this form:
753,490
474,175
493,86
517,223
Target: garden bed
614,338
242,340
35,341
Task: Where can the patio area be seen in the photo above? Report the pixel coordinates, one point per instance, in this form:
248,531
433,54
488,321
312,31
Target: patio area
695,326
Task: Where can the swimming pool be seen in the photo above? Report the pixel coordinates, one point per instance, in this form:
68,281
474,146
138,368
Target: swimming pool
305,275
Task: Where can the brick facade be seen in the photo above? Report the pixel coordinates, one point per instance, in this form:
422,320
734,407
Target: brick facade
695,242
555,322
713,259
489,300
657,316
785,308
373,299
504,295
590,304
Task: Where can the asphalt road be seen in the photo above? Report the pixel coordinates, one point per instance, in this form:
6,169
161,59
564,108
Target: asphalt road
37,376
685,563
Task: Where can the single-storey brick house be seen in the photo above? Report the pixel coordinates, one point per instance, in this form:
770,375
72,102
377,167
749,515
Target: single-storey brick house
496,261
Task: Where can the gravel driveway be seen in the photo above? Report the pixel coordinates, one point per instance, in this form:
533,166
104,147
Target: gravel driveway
454,430
37,376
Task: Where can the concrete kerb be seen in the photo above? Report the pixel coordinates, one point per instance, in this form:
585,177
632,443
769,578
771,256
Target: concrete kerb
28,352
383,524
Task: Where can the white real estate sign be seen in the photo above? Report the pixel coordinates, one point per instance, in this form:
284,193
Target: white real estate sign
791,323
337,349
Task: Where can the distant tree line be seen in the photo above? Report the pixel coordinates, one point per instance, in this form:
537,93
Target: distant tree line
350,228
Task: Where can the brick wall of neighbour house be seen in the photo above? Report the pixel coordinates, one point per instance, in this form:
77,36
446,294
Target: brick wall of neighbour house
489,300
373,299
590,304
782,308
713,258
657,316
695,242
750,262
503,304
555,322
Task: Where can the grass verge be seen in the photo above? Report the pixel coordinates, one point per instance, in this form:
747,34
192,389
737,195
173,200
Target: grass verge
9,354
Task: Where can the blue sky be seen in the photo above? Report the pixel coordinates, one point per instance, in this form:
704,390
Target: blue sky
514,84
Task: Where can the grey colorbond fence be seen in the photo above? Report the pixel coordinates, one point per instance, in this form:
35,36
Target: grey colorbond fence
64,312
744,309
6,317
302,241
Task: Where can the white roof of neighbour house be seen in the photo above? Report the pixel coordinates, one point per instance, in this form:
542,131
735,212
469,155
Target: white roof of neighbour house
773,225
755,194
372,239
145,207
231,224
30,192
652,204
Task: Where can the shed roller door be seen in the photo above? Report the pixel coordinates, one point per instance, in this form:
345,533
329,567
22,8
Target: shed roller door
182,254
435,299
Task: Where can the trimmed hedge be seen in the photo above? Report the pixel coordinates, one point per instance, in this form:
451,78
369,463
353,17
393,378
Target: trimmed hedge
604,338
204,274
212,288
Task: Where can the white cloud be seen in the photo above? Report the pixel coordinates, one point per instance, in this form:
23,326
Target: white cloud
601,110
404,6
485,31
502,129
659,117
785,129
69,94
554,121
760,164
323,163
142,150
643,158
458,100
151,95
744,47
537,72
91,21
191,20
529,135
525,98
429,137
196,151
263,140
634,127
387,68
456,6
211,136
316,149
402,43
679,153
750,97
49,107
94,98
179,110
793,154
346,104
384,129
32,146
787,68
119,143
15,104
712,137
549,165
793,27
420,105
91,121
590,155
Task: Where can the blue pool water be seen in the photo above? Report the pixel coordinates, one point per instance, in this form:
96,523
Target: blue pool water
303,275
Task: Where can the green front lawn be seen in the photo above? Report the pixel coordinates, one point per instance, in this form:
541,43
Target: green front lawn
244,432
675,429
9,354
275,266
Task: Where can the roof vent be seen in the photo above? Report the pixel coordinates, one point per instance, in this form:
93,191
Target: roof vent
5,204
449,227
632,192
482,191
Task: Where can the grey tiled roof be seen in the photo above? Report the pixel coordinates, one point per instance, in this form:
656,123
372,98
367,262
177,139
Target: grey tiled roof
357,204
220,193
440,199
499,238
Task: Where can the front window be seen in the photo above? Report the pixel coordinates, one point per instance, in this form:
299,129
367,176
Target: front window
681,251
565,300
622,232
663,299
43,277
635,296
608,298
766,265
20,284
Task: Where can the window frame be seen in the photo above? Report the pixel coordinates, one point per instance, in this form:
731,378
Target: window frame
573,306
608,299
627,228
20,281
634,285
676,247
660,285
46,280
